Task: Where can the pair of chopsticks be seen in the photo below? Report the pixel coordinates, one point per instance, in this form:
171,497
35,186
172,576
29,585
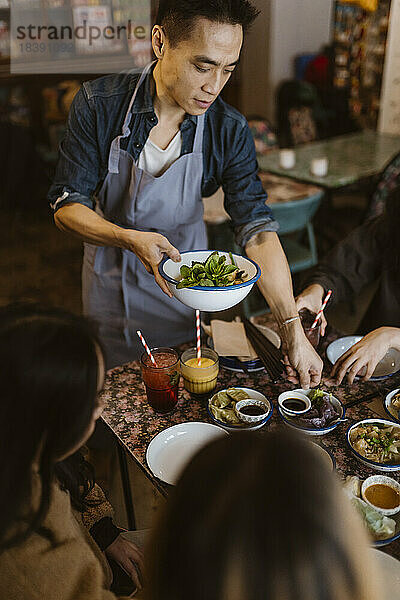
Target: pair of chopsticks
269,355
367,398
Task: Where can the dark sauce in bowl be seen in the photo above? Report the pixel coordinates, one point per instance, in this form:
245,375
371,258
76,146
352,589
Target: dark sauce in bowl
253,410
294,404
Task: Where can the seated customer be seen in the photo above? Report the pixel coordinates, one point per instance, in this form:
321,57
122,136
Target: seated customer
260,517
52,370
368,254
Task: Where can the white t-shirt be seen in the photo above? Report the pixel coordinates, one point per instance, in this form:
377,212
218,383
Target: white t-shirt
156,161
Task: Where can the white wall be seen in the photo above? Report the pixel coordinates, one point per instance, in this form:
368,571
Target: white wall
254,76
389,118
284,29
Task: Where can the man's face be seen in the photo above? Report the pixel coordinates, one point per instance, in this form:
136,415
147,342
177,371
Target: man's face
195,71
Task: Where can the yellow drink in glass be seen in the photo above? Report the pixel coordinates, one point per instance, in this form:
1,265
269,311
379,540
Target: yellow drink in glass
200,380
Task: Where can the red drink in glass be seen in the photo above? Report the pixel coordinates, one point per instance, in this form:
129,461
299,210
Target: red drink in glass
161,380
307,319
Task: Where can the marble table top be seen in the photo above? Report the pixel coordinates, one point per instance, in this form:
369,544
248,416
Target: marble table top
134,422
352,157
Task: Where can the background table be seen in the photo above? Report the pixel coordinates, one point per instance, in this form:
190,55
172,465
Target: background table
351,158
134,422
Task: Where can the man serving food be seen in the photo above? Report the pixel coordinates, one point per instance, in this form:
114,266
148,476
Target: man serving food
140,152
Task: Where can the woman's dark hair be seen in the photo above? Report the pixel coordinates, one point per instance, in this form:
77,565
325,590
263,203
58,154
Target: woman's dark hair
178,17
49,364
257,517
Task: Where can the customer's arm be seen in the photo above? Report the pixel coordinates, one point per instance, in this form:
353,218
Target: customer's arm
362,358
355,262
97,518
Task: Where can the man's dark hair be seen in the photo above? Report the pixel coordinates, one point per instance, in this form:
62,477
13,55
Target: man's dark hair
178,17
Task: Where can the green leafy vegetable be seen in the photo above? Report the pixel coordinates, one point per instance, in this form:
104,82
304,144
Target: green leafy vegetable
214,272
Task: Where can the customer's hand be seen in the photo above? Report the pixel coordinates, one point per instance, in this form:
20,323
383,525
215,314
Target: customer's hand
303,365
311,298
362,358
129,558
150,249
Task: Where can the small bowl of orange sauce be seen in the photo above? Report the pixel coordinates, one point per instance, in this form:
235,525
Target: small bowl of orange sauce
382,493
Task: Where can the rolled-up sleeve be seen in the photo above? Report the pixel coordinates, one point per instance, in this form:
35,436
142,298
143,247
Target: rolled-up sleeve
79,170
245,197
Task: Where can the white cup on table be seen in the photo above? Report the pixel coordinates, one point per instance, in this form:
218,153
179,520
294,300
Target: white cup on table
319,166
287,158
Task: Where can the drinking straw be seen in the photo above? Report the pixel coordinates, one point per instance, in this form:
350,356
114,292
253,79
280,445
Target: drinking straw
146,347
325,302
198,341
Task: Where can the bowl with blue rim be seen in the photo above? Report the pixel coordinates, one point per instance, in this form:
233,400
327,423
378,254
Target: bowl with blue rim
325,414
203,279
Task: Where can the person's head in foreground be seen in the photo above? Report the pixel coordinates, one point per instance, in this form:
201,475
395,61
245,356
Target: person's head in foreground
197,44
259,517
52,369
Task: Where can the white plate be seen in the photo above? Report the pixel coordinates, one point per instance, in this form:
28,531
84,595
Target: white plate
291,421
255,396
209,299
389,572
388,366
326,455
172,449
371,463
391,411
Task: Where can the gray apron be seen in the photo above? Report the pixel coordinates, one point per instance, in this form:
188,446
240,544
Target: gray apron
117,290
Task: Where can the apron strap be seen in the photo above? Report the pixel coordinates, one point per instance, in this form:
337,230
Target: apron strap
113,158
125,297
198,138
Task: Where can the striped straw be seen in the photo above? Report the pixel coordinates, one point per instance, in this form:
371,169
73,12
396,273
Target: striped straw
146,347
198,340
325,302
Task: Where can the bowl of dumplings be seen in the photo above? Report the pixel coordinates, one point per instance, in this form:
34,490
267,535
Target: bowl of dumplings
226,406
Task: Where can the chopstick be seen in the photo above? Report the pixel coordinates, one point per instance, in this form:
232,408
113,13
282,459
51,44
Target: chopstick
268,354
264,346
242,365
366,398
273,350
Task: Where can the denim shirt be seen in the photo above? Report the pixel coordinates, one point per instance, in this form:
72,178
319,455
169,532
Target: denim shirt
95,119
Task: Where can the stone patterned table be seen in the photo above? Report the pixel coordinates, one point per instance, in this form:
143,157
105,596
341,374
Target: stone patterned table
352,157
134,422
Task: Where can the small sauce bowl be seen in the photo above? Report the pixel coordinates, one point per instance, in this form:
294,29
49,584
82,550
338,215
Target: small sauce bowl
257,407
373,490
294,403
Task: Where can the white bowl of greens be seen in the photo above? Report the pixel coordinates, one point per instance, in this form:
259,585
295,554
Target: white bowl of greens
209,280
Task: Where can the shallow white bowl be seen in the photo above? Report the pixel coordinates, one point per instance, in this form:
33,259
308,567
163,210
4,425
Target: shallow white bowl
172,449
384,467
209,299
381,479
389,365
391,411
